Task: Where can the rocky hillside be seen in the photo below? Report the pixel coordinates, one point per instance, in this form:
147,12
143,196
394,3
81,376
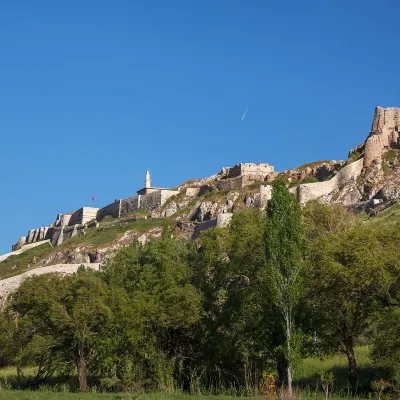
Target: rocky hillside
368,181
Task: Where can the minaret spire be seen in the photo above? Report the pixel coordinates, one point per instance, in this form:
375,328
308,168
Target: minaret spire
147,181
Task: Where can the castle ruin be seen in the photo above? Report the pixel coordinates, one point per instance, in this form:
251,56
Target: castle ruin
70,224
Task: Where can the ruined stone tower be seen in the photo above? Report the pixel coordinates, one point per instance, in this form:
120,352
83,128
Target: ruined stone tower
384,134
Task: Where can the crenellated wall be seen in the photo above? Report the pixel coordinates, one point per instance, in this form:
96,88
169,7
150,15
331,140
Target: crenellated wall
125,207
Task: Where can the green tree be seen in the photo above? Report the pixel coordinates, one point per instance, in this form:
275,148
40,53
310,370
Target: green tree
386,344
350,269
67,315
156,311
238,321
283,246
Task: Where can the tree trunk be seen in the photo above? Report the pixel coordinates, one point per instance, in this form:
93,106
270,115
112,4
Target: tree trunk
289,355
282,370
81,366
353,369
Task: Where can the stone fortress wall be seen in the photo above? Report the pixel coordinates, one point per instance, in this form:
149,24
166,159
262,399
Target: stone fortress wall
54,232
112,209
332,190
241,175
10,284
149,201
250,169
73,223
83,215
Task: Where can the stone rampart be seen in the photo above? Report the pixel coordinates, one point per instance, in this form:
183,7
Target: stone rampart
128,206
34,235
166,194
334,189
112,209
221,221
240,181
10,284
21,241
150,201
63,219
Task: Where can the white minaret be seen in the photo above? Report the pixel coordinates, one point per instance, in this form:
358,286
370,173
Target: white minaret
147,181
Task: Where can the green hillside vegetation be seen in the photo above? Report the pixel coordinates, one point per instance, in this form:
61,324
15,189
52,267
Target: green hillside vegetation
106,233
15,265
390,216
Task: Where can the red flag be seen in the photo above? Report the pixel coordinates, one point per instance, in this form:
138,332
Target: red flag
93,199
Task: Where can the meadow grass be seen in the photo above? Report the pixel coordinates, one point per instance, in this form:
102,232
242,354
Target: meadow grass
305,383
306,372
45,395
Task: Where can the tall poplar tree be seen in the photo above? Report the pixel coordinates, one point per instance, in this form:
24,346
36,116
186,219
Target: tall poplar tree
283,246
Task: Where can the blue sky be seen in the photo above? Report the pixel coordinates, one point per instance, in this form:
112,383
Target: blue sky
94,92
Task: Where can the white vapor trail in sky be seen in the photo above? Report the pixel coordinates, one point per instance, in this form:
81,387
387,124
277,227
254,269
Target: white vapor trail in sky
244,114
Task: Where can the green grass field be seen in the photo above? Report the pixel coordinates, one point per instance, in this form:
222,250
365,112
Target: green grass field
305,375
43,395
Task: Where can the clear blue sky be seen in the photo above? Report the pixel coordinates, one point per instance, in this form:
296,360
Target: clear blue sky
94,92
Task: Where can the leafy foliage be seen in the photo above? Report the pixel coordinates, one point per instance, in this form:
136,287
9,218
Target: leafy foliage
228,313
283,246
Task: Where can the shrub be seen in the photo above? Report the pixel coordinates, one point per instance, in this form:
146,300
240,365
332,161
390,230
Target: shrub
267,386
390,156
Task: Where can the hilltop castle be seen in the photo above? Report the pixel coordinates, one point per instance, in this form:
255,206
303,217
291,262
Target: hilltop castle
71,223
358,179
